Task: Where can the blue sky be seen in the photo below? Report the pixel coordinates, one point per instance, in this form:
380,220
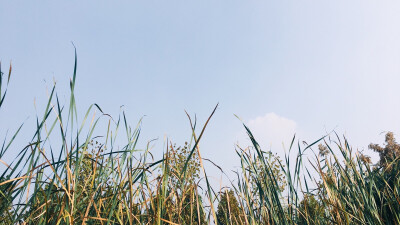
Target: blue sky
282,66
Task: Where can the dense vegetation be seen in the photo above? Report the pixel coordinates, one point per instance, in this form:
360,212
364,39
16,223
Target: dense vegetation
67,175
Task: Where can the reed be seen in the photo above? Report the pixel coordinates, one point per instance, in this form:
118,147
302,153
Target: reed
74,171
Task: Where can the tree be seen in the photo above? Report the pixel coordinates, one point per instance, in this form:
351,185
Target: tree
389,153
262,184
192,211
310,211
176,159
182,204
228,211
386,176
259,171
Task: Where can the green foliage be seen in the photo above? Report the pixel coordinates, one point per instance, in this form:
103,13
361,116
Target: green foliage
6,212
389,153
63,176
176,159
192,211
229,211
7,186
44,204
268,162
311,211
387,179
184,205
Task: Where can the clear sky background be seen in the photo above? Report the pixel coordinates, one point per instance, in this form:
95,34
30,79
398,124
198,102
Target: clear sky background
282,66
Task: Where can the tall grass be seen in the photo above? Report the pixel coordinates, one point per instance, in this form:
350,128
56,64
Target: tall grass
72,171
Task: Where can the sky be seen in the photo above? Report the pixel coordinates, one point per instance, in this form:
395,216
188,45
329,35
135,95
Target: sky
283,67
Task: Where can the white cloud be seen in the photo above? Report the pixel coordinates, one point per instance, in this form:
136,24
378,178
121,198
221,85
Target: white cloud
270,131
